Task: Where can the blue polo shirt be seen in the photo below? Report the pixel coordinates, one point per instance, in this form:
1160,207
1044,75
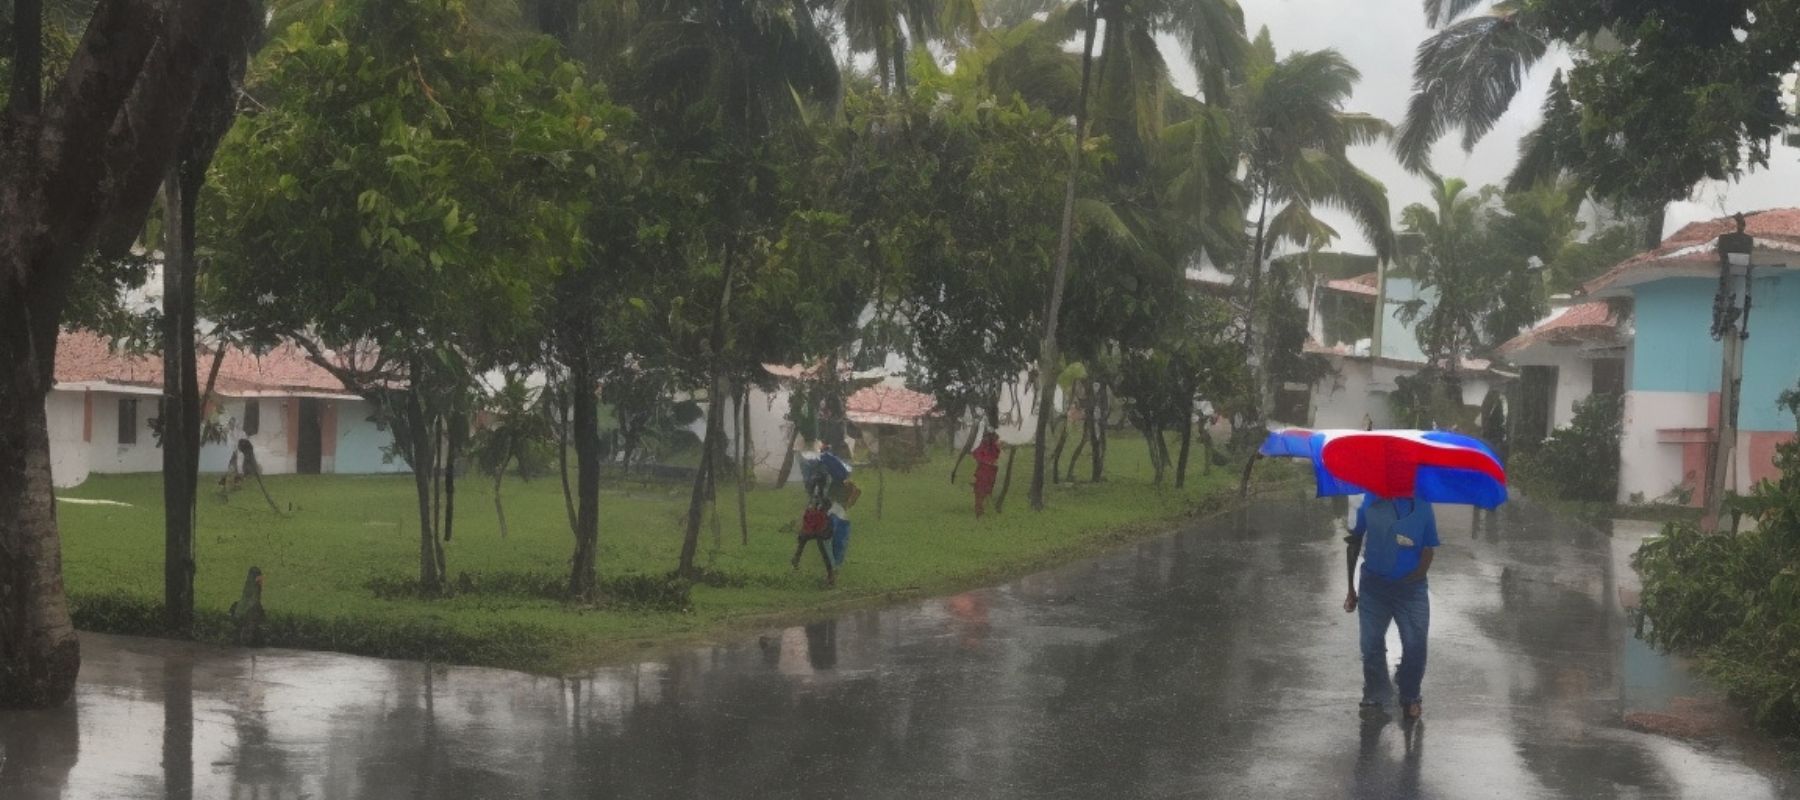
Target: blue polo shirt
1383,524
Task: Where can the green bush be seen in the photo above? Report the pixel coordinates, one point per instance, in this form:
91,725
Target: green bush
1581,461
1734,599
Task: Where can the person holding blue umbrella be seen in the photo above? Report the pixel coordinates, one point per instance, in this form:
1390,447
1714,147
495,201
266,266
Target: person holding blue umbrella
1399,474
1396,539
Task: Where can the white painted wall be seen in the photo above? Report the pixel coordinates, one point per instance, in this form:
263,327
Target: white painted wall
1343,400
270,440
68,453
1647,466
1574,378
105,454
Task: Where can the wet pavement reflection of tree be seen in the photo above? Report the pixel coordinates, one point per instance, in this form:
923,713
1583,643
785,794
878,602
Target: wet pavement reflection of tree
1213,663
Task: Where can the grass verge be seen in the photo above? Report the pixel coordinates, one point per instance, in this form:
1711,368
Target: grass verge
338,563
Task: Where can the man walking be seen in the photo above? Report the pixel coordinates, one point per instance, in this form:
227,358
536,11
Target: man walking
1395,538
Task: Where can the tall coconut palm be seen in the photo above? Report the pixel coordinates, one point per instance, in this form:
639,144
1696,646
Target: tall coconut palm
1211,33
890,28
1296,140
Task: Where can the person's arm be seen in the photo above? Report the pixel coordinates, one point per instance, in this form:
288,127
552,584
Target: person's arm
1425,556
1353,550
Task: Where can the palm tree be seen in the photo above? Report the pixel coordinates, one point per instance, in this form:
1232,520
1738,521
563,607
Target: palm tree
889,28
1447,231
1211,33
1295,142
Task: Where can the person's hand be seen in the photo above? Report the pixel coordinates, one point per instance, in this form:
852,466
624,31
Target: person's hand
1415,576
1350,601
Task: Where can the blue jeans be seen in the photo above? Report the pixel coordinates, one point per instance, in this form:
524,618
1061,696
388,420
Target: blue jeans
1408,605
840,540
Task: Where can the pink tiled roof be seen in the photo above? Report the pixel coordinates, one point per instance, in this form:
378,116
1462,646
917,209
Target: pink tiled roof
888,405
1776,229
1362,284
84,357
1587,322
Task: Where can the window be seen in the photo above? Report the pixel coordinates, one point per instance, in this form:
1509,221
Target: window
252,417
128,420
1609,376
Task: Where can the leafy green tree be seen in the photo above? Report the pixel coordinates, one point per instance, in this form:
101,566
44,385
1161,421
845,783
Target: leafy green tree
435,176
1662,93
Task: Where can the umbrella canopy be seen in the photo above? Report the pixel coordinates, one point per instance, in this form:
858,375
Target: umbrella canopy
1434,466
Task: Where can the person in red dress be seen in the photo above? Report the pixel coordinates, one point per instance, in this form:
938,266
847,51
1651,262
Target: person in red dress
987,467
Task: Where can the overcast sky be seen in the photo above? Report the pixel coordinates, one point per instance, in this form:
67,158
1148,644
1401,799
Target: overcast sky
1380,36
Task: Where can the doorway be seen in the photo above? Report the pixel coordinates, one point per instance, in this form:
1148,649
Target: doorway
311,441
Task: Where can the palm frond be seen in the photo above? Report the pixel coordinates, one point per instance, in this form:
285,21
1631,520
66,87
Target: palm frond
1099,216
1439,13
1465,77
1553,146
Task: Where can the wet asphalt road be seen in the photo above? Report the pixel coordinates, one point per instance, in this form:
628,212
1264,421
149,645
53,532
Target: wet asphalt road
1212,663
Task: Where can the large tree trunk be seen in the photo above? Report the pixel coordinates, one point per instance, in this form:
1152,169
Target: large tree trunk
180,413
39,655
583,572
79,169
1047,355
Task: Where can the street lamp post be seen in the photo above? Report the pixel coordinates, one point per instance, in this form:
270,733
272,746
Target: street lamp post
1731,326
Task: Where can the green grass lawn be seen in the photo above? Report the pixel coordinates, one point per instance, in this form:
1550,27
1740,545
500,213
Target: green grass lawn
347,535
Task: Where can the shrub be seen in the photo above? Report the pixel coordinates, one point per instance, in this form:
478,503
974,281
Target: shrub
1581,461
1734,599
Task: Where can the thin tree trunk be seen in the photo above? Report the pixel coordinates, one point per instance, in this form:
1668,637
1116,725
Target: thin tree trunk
743,466
1006,481
1062,438
787,458
1256,328
974,431
180,414
1156,461
1101,413
500,508
1187,440
424,463
1047,355
583,570
715,412
562,458
458,434
716,456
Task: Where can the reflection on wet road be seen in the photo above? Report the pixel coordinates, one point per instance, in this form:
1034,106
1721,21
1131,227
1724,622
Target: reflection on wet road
1214,663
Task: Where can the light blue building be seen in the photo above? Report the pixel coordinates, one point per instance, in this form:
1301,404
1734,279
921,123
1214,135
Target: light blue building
1673,364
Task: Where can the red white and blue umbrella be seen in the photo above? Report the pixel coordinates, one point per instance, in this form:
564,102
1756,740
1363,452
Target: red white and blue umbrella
1434,466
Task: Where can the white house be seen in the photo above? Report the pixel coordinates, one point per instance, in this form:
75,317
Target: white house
1576,352
297,415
